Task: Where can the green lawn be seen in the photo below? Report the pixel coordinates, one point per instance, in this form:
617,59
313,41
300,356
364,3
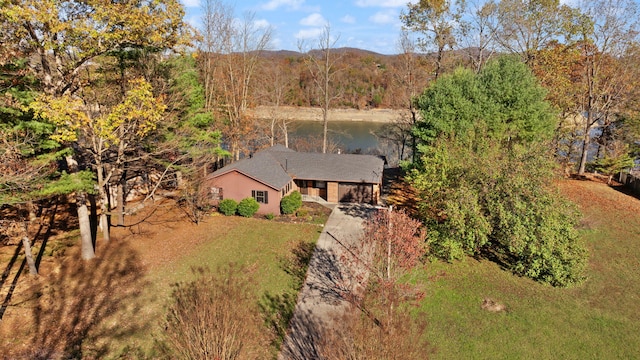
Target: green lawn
257,245
599,319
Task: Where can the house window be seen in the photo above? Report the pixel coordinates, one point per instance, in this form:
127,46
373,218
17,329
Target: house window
216,193
321,184
260,196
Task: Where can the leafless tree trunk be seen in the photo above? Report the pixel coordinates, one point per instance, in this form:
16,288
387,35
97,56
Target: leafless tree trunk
232,53
86,240
120,197
611,34
285,131
322,69
478,32
26,242
104,201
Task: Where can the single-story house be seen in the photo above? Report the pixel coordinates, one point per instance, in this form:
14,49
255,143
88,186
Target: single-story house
273,173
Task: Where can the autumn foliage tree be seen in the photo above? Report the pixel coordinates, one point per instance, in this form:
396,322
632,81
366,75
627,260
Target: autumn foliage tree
608,38
438,23
65,41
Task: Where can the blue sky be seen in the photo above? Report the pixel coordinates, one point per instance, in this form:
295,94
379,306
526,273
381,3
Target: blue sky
367,24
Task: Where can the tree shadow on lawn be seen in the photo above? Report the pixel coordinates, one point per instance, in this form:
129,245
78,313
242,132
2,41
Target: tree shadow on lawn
626,190
83,306
46,226
304,341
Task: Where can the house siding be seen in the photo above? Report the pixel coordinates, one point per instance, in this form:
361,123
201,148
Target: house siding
237,186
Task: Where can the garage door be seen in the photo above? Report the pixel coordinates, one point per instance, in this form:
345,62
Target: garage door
355,192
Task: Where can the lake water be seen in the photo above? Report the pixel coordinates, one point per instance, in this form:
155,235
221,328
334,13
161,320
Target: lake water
350,136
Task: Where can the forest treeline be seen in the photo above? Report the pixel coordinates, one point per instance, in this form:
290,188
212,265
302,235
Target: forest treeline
98,99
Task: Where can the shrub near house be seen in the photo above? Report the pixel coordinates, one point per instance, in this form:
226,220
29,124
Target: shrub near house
291,203
248,207
228,207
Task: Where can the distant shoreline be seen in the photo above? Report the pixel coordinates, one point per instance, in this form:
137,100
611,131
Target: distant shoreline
315,114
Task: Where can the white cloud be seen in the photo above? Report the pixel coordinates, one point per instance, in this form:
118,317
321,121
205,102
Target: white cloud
314,19
308,33
261,24
191,3
384,17
348,19
381,3
274,4
276,43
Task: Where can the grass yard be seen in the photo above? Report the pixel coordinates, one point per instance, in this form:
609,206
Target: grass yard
116,303
599,319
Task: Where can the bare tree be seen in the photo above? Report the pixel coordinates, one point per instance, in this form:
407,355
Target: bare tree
274,86
323,69
408,80
216,31
609,33
478,32
232,51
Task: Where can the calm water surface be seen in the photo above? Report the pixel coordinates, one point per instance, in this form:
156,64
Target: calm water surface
349,135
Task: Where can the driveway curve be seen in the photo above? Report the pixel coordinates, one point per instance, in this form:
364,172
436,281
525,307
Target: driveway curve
329,282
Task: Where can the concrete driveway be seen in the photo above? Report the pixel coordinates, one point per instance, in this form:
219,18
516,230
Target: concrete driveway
329,282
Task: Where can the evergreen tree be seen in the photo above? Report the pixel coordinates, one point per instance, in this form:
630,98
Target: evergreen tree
485,174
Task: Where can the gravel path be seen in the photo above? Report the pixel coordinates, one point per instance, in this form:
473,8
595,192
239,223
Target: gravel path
328,282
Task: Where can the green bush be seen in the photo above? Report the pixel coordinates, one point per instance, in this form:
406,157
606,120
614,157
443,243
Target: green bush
228,207
290,203
248,207
269,216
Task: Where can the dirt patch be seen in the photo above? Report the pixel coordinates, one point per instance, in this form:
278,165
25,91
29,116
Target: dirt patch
592,194
309,212
162,232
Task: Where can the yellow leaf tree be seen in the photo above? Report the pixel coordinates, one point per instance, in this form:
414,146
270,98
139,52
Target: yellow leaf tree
67,41
63,37
107,137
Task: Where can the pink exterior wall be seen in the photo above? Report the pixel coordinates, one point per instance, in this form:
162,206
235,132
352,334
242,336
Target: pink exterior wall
237,186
